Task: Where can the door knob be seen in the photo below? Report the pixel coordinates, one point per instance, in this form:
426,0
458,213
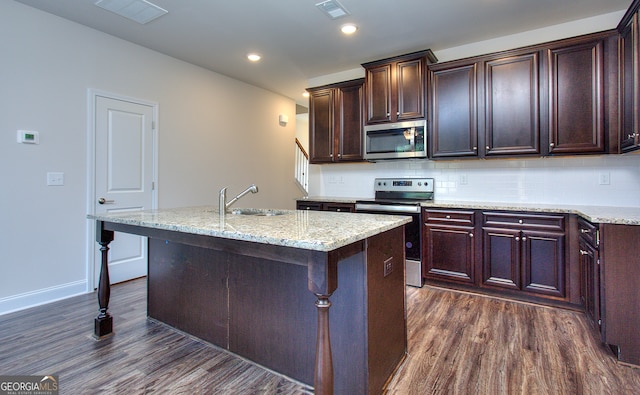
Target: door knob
105,201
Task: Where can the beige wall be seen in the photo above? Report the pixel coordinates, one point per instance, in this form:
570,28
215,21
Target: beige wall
213,132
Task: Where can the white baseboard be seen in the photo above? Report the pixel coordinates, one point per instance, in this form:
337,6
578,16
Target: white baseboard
39,297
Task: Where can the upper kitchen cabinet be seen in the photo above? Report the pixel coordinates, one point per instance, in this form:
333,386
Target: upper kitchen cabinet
453,110
578,72
395,87
511,105
629,42
335,122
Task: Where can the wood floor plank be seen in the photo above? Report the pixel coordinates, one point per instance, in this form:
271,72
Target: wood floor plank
459,343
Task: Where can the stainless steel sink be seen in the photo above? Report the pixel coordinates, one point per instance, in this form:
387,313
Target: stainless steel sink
257,212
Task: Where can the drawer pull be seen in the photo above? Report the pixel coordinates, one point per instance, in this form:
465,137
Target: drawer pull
585,230
448,217
520,221
470,234
517,238
583,252
524,238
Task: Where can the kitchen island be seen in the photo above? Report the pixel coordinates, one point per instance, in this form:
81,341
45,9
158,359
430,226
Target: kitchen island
259,285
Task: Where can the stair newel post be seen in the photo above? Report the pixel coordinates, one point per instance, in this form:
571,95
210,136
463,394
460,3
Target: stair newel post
103,322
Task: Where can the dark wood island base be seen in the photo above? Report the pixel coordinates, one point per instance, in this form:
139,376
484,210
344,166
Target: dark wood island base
278,306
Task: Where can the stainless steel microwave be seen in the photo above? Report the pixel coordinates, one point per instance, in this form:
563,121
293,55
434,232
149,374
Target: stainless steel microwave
396,140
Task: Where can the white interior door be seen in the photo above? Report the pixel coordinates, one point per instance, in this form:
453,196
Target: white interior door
124,167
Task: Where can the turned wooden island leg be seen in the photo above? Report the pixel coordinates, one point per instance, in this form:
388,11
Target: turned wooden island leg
323,375
323,281
104,321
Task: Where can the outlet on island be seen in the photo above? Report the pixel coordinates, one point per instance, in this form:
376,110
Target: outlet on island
388,266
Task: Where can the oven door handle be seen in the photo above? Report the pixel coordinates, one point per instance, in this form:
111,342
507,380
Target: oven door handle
383,208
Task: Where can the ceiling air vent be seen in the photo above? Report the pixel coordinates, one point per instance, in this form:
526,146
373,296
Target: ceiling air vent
332,8
140,11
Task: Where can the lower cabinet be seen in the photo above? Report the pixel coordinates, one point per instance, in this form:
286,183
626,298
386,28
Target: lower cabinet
449,242
590,272
522,255
524,252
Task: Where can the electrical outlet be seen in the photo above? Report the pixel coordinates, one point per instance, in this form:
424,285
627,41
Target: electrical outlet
388,266
604,179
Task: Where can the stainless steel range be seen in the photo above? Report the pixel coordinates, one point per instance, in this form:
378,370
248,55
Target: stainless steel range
403,196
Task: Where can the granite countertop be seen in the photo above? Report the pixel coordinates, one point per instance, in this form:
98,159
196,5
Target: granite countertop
595,214
311,230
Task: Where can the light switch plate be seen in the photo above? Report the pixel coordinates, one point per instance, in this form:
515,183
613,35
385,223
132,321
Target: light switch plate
55,178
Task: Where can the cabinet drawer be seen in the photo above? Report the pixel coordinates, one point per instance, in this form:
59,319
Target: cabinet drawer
339,207
588,232
524,221
317,206
449,217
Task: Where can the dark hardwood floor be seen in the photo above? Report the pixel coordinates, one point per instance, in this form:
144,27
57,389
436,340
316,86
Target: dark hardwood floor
458,344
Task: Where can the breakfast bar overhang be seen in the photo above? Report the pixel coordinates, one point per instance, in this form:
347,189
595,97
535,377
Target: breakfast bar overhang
261,285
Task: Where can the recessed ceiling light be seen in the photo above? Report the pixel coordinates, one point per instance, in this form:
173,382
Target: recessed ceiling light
254,57
349,28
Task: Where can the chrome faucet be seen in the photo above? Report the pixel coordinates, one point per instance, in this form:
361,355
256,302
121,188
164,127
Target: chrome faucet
222,202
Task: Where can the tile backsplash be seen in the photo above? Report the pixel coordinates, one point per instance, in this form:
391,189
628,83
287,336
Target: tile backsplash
607,180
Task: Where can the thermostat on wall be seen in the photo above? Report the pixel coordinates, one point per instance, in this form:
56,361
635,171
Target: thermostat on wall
28,137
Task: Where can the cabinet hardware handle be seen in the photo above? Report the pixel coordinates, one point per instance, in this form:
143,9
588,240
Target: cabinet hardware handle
517,238
583,252
398,113
552,145
488,148
585,230
475,148
524,238
388,115
470,234
520,221
448,217
105,201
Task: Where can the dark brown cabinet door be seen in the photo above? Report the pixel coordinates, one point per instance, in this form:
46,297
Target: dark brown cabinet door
449,253
543,262
525,252
350,120
629,86
379,93
410,76
395,87
512,105
335,122
501,258
576,98
590,284
454,123
321,126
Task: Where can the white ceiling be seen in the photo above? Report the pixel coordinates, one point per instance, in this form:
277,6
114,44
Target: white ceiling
299,42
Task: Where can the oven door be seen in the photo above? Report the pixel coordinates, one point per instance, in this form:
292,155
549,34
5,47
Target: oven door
412,235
